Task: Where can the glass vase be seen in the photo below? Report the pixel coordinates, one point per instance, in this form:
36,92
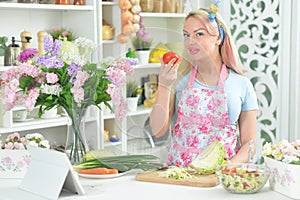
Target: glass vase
76,142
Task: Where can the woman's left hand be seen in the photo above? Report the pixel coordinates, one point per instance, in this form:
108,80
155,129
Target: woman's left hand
168,72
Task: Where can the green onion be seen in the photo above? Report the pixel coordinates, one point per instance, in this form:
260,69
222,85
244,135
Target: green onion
122,163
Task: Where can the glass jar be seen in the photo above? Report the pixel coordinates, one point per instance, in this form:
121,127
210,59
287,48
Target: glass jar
79,2
63,2
169,6
147,5
158,6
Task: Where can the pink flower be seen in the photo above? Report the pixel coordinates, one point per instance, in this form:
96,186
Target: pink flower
147,37
9,145
13,136
78,94
65,33
55,29
31,98
51,78
118,76
77,89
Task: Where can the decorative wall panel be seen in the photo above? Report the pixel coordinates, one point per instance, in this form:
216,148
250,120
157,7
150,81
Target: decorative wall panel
255,27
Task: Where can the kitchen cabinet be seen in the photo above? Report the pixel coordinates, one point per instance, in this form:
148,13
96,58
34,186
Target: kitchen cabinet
86,20
165,28
80,19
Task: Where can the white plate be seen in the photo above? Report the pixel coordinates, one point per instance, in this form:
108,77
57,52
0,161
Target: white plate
23,120
102,176
56,116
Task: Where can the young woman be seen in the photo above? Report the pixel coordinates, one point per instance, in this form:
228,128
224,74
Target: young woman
204,96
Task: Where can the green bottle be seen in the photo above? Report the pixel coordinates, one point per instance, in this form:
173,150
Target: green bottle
130,54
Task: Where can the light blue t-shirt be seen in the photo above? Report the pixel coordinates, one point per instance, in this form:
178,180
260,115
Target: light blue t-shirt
239,91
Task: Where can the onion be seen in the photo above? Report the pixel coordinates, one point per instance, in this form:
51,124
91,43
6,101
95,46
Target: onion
124,4
136,9
122,38
126,16
136,18
127,28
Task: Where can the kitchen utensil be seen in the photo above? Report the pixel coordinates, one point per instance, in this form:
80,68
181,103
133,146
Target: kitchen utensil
210,180
11,53
251,145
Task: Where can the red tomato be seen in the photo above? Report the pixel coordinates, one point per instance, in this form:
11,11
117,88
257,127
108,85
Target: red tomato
167,57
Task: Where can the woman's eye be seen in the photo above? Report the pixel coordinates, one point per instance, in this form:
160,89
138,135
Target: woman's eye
186,35
199,34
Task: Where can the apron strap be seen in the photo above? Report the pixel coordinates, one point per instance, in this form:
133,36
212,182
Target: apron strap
222,78
192,77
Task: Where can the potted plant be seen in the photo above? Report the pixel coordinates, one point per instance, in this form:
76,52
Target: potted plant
142,42
283,161
3,46
132,94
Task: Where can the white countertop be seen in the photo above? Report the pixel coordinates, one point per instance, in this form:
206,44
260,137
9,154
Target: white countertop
126,187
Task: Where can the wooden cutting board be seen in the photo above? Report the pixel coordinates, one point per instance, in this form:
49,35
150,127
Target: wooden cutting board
198,181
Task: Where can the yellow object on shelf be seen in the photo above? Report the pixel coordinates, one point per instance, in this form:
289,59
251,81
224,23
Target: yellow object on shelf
106,135
158,52
149,102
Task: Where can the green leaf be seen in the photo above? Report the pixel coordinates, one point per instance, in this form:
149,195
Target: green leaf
25,82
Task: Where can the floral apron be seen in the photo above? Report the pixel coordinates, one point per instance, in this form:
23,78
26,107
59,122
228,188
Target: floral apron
202,119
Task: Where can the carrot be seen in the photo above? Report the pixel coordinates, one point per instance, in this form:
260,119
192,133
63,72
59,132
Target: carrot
112,171
99,170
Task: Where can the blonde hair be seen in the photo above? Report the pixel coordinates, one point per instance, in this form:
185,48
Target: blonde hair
228,50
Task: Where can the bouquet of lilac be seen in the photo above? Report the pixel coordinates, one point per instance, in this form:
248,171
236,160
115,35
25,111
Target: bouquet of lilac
63,76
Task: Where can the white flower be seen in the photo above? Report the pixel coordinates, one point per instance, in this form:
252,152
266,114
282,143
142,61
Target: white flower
44,144
32,144
86,44
267,149
51,89
34,136
72,57
37,140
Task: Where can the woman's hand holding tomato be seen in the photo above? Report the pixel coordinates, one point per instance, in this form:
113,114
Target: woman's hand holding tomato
168,71
167,57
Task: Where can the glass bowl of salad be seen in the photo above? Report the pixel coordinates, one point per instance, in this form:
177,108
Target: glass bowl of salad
243,178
